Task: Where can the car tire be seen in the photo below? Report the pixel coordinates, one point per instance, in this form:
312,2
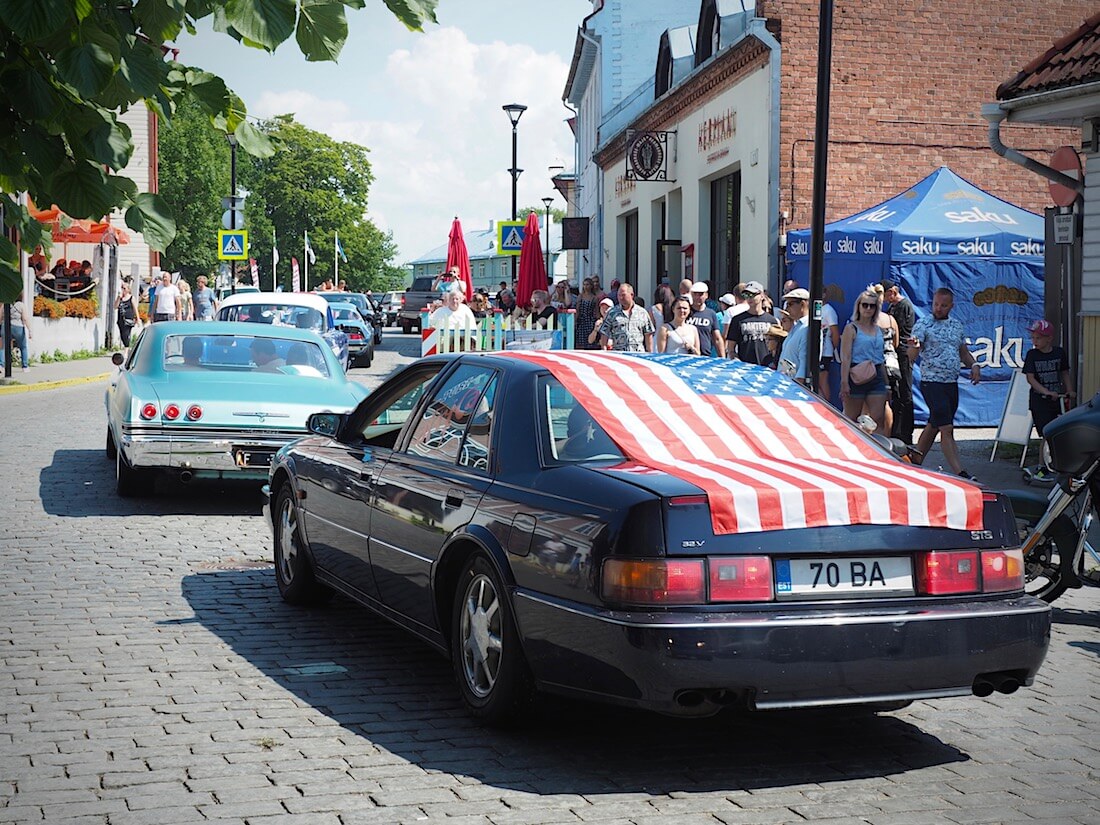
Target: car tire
130,482
293,569
406,327
112,450
493,677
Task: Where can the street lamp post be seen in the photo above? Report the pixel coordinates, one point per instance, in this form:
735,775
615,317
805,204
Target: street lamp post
549,275
515,112
232,205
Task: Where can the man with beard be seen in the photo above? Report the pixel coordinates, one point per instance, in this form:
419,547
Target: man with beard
901,310
747,336
705,320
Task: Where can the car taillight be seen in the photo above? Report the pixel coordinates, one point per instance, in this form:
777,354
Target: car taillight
172,412
741,579
149,411
943,572
194,412
356,336
402,300
654,581
687,501
1002,570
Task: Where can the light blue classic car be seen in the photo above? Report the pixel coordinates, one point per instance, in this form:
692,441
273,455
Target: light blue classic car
360,333
208,400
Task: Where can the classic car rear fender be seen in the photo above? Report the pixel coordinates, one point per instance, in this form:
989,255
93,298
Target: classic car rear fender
453,557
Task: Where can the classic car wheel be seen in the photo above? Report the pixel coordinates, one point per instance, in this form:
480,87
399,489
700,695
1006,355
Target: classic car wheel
130,482
112,450
293,571
485,651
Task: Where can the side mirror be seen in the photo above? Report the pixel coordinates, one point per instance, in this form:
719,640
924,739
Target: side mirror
326,424
117,359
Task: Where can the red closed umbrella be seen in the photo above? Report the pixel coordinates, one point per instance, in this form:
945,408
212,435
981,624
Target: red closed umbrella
458,256
532,266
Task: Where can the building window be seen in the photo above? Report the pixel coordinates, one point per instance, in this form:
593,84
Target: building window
630,250
725,233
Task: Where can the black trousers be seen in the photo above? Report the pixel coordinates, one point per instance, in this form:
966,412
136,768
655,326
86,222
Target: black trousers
902,402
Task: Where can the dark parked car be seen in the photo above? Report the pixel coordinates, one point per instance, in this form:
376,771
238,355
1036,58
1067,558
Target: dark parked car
667,532
366,305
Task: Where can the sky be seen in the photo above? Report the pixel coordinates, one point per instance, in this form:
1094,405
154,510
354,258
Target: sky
427,105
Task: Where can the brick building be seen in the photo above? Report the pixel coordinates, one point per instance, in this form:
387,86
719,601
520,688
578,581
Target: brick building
908,86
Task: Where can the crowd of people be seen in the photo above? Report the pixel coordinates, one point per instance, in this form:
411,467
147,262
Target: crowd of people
866,358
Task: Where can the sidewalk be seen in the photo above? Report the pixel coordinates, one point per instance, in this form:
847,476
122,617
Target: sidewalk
56,374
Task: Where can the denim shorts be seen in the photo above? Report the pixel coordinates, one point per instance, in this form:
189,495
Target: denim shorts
942,400
876,386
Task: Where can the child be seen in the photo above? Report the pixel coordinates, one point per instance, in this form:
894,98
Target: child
1047,369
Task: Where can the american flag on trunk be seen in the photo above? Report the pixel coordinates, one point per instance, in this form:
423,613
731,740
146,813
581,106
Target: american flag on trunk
766,453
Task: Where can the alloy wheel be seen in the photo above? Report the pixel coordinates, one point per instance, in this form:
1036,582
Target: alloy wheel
481,635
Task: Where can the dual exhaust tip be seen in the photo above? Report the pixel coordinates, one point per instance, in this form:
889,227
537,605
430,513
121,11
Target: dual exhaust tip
987,683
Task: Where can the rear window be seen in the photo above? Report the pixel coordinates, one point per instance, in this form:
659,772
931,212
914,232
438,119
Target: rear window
243,353
569,433
283,315
423,284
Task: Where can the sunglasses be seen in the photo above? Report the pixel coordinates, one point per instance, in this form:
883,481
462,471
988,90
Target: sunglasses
793,301
868,306
749,294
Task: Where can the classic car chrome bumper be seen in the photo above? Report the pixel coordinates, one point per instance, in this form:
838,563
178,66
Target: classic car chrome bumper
693,664
221,452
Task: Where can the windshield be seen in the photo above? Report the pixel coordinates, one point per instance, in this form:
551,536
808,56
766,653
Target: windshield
346,314
284,315
243,353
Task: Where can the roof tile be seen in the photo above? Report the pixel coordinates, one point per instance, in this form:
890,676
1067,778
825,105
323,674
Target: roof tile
1072,60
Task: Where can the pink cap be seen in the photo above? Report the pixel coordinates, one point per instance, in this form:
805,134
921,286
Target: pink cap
1042,327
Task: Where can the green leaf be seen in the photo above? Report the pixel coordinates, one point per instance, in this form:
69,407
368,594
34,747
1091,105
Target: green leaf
322,29
125,188
11,280
210,91
80,189
144,68
43,150
35,95
160,20
152,217
413,13
89,65
83,9
33,19
269,22
109,143
253,141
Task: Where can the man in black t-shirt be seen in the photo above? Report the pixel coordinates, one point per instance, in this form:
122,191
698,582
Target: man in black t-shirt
901,310
1047,369
747,336
705,320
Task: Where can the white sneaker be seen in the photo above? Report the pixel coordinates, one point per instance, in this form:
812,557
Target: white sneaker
26,369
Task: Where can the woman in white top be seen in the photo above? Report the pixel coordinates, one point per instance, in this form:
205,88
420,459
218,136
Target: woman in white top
678,336
20,332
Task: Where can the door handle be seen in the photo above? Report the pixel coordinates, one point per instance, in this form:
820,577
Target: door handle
454,499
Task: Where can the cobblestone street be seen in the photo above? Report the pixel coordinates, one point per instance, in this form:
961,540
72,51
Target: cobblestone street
151,674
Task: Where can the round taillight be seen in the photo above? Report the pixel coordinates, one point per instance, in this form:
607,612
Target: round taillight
149,411
172,412
194,412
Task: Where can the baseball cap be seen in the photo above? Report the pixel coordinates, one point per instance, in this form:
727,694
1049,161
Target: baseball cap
728,299
887,285
699,286
607,302
799,294
755,287
1042,327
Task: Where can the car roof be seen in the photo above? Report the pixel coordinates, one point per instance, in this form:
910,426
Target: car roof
299,299
342,305
163,329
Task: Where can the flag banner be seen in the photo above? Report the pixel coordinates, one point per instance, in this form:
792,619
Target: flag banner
296,282
312,258
649,155
274,253
255,270
768,456
340,249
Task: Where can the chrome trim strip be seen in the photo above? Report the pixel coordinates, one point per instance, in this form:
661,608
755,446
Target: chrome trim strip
313,516
785,621
402,551
872,698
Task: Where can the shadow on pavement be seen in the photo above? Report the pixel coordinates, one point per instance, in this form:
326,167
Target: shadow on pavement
1079,617
81,483
383,685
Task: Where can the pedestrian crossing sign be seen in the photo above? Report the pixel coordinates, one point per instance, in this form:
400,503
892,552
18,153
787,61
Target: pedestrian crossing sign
510,237
232,244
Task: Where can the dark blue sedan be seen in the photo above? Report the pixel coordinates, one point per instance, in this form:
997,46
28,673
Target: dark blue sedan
667,532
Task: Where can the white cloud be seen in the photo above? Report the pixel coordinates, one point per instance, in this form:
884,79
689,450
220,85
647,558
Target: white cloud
440,144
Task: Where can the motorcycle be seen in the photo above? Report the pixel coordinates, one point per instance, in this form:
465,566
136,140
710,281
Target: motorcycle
1054,529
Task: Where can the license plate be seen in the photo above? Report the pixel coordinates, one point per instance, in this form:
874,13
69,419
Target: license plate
843,578
253,458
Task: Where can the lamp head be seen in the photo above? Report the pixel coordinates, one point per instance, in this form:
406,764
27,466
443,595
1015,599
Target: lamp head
546,202
232,138
515,111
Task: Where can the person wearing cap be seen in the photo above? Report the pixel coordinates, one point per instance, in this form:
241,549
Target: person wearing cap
828,377
901,310
627,327
794,356
605,306
747,335
705,320
1047,369
940,342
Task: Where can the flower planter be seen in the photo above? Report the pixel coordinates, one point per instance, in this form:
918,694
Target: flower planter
66,334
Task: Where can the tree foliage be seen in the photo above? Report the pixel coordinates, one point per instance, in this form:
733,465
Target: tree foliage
69,67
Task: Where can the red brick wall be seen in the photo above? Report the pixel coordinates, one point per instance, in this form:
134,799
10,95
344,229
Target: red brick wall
909,80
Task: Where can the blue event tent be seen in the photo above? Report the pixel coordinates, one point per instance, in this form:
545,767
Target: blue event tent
945,232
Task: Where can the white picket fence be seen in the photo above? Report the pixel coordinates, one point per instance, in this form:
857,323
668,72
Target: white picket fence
499,332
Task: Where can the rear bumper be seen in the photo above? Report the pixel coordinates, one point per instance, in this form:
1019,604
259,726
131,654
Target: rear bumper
693,664
204,457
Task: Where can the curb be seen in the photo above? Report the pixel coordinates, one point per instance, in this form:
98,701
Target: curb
12,389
